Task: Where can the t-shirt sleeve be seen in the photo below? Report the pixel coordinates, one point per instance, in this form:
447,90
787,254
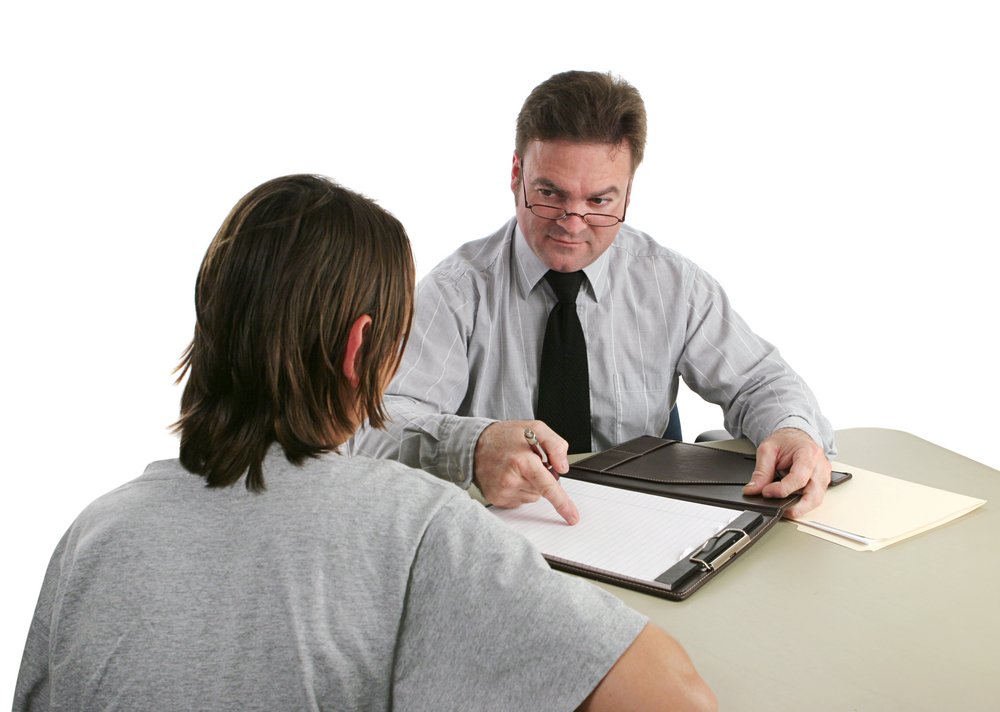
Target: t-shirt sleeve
32,689
488,625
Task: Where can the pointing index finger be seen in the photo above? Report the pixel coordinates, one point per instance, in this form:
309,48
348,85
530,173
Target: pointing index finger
546,485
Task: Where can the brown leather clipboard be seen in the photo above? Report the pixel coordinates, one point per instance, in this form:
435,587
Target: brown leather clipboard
695,473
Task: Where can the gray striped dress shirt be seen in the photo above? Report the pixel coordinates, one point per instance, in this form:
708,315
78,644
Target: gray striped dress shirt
650,317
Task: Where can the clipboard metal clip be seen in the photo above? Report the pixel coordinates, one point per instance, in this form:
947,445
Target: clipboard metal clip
720,549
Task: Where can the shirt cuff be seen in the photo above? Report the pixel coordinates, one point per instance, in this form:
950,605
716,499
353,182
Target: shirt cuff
460,443
800,423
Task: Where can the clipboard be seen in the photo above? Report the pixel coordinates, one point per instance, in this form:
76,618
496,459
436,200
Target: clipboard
677,470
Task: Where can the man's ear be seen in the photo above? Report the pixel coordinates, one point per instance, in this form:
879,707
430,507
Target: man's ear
355,338
515,173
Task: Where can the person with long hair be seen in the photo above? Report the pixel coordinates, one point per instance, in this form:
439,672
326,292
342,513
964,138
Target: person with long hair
265,570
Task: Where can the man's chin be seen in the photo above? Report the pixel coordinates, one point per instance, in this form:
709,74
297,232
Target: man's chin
564,266
566,256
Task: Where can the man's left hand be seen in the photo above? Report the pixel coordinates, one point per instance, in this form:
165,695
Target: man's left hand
806,466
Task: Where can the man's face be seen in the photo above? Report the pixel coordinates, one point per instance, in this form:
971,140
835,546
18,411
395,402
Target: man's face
579,178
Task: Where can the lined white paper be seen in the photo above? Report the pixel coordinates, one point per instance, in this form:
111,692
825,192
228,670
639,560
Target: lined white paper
630,533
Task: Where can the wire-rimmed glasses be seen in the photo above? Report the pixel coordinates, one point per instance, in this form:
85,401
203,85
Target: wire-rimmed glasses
551,212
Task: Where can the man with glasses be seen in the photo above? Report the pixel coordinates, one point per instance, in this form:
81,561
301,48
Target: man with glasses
572,325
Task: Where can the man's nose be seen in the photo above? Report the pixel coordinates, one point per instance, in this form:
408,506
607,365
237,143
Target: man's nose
573,223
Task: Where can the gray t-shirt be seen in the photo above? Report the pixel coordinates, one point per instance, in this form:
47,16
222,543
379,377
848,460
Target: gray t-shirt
349,584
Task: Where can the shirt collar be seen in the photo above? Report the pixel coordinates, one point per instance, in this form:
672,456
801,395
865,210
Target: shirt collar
529,270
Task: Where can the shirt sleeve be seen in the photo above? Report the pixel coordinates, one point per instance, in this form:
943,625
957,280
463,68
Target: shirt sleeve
427,391
728,364
488,625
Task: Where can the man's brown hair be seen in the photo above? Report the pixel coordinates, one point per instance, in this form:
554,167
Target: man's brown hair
297,261
585,107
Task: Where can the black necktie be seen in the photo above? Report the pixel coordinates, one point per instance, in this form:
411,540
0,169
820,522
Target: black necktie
563,378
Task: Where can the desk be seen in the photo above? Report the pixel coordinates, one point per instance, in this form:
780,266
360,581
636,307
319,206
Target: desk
802,624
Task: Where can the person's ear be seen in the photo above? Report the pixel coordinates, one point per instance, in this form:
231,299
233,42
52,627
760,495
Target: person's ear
515,173
355,338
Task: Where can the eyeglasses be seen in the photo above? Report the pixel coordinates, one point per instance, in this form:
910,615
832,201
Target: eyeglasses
551,212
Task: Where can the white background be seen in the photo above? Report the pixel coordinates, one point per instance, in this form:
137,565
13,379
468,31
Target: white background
835,165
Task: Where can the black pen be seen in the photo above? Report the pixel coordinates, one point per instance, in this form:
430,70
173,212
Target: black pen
529,435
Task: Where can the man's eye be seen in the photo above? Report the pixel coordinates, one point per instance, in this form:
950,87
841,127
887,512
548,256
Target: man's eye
546,193
600,201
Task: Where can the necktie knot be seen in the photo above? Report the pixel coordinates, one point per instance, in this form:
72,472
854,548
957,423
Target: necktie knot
566,285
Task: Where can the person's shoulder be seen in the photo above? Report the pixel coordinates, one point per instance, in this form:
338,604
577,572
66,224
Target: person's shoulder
134,497
638,247
391,483
634,243
383,497
157,476
384,473
475,260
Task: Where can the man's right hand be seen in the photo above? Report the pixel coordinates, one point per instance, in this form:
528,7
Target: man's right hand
509,473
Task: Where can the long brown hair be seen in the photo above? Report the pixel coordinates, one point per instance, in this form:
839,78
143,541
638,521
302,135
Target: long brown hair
295,263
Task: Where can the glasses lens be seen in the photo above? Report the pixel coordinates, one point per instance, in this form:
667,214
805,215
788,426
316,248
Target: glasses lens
547,212
600,220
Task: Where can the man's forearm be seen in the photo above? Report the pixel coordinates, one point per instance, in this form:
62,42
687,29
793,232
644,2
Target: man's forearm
439,443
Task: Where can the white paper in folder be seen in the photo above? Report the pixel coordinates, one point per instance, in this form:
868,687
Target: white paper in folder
631,533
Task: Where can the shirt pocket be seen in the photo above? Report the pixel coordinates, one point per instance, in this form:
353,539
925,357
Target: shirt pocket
641,405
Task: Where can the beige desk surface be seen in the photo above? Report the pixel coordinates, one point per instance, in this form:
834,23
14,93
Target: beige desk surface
802,624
